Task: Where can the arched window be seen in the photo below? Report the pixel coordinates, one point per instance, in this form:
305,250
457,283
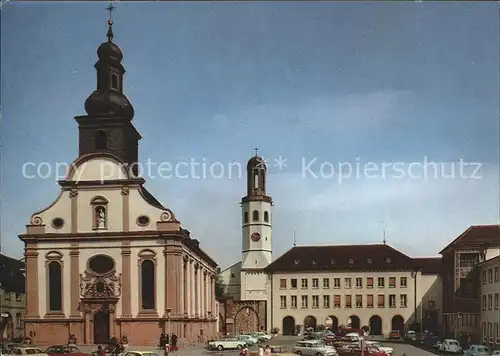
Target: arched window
114,81
101,140
266,216
255,215
148,285
55,286
245,217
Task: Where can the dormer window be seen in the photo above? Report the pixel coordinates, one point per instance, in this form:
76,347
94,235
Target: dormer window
332,262
351,261
114,81
296,262
313,262
388,260
369,260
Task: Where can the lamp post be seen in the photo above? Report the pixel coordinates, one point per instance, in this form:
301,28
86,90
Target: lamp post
459,322
234,324
414,276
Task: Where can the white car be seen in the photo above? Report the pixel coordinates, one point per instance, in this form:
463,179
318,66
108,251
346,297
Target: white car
477,350
263,335
248,339
378,345
227,344
451,346
495,353
27,351
140,353
313,348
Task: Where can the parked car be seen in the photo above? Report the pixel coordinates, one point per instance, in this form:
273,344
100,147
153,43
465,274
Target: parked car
437,345
313,348
27,351
57,350
378,345
367,351
226,344
451,346
261,336
395,335
411,335
477,350
249,340
495,353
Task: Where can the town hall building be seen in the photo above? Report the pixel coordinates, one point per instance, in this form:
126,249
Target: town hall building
106,258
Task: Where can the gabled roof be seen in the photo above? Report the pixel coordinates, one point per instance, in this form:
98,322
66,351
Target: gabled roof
350,257
476,235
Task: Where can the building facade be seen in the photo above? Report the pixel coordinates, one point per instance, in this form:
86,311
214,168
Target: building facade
461,279
490,301
373,287
106,258
246,281
12,298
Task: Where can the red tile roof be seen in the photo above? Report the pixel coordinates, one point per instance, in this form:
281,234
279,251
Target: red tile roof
350,257
476,235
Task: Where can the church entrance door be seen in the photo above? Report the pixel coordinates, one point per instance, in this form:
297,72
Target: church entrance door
101,327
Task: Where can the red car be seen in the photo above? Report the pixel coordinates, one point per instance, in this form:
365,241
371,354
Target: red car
58,350
395,334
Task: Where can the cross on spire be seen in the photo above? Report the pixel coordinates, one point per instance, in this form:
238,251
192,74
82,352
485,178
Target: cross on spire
256,149
110,8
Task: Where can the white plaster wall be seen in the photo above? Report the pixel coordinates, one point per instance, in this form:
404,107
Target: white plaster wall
431,289
255,286
102,168
138,206
489,316
492,252
60,209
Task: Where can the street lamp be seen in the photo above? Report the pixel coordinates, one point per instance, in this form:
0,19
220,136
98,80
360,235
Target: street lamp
234,324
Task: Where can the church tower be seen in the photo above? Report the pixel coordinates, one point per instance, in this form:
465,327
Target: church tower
257,251
107,127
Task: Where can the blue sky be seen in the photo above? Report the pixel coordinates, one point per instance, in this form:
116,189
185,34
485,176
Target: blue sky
340,82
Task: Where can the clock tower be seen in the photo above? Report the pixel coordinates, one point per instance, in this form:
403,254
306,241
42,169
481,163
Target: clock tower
256,251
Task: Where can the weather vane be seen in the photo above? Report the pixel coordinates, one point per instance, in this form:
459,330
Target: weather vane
256,149
110,8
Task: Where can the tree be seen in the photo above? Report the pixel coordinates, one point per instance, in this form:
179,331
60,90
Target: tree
220,287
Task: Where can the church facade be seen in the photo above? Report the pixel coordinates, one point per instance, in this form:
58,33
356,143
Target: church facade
106,258
246,281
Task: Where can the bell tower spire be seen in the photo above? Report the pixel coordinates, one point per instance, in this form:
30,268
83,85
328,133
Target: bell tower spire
256,249
107,126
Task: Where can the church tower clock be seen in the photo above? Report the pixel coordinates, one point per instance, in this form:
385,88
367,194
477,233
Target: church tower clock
257,251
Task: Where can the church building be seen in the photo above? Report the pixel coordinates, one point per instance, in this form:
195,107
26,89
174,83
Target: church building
106,258
246,282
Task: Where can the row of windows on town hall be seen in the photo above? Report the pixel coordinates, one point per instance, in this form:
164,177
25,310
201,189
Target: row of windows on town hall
148,285
348,301
304,282
255,216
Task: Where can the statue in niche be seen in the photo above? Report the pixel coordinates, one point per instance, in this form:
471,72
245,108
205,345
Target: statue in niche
100,216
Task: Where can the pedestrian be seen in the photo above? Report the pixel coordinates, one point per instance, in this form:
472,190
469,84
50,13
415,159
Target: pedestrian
261,351
174,342
100,351
161,343
267,352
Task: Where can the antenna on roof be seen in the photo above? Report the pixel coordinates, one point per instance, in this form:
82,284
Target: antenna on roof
383,233
294,239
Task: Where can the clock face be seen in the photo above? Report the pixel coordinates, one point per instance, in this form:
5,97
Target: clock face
255,237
